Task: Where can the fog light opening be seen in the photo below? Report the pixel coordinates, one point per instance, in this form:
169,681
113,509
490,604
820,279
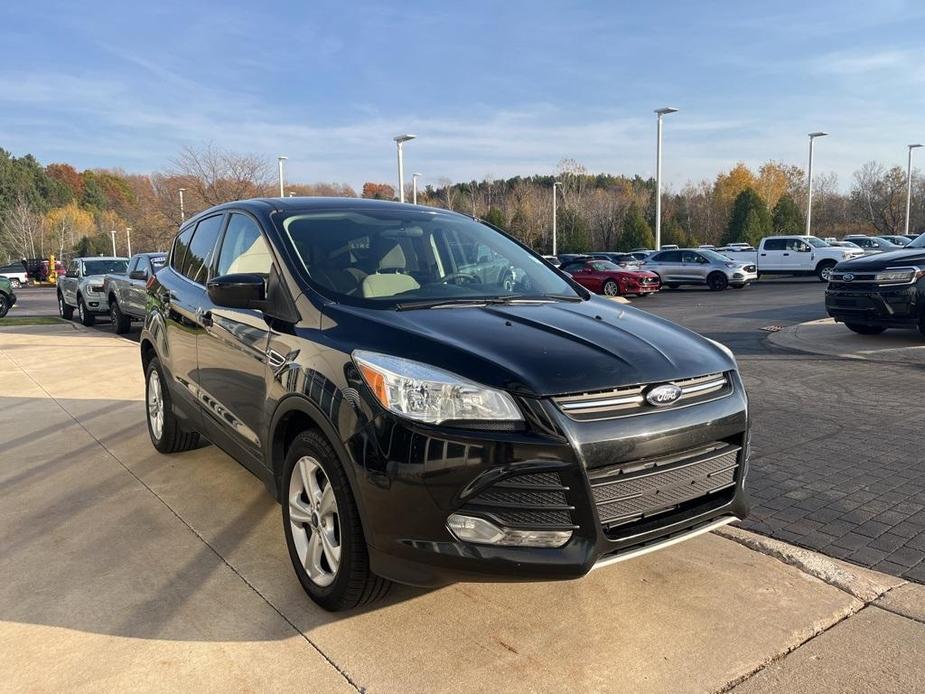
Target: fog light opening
481,531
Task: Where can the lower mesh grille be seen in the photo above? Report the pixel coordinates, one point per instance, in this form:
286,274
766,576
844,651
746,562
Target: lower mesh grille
536,500
629,493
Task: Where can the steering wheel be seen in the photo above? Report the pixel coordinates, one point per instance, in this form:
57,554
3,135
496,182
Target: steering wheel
454,277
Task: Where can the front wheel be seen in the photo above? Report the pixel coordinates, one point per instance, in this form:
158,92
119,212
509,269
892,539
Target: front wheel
163,425
611,288
65,311
864,329
322,527
86,318
717,281
120,322
824,271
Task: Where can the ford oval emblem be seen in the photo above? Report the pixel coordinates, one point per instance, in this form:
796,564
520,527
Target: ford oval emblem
848,277
663,395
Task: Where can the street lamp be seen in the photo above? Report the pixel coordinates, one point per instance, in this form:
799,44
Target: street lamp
555,185
279,160
128,240
399,141
182,211
112,233
658,176
909,186
809,183
414,187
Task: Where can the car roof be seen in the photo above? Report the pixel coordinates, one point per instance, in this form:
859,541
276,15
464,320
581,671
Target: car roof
101,257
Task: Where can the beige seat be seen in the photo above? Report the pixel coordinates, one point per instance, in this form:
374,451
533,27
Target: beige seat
255,260
389,279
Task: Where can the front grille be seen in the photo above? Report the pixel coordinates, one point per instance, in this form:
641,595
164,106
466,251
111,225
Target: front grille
633,492
838,276
622,402
535,500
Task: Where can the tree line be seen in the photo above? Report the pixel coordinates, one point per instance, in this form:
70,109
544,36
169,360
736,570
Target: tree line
56,209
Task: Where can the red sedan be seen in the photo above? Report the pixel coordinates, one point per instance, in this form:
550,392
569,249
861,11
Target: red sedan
604,277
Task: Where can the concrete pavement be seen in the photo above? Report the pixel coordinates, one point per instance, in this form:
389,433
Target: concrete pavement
825,336
129,570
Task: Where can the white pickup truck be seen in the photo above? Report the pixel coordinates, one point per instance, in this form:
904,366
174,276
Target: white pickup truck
794,255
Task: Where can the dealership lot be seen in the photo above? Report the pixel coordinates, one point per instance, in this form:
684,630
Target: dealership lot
135,567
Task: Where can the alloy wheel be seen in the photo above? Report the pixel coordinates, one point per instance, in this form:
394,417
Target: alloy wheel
155,404
315,521
610,289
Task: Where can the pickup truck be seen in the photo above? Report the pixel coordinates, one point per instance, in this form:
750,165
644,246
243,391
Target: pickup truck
16,274
81,288
794,255
126,292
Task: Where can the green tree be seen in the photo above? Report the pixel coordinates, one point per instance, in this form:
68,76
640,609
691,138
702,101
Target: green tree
93,196
673,232
787,218
750,219
495,216
573,232
636,232
98,244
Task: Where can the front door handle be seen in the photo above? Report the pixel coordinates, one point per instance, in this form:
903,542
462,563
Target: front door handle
204,317
786,254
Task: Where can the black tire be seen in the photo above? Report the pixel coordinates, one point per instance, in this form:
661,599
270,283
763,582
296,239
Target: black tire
4,305
354,584
65,311
864,329
717,281
610,288
120,322
672,285
823,270
86,318
173,438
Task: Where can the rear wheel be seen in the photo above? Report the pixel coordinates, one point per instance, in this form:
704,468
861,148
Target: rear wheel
65,311
120,322
15,283
163,425
4,305
864,329
611,288
824,271
717,281
86,318
322,527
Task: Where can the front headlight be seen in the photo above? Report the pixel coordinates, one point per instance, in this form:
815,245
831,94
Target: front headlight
901,275
428,394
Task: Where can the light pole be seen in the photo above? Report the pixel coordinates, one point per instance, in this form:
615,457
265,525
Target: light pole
112,233
555,185
909,186
182,210
399,141
128,240
279,160
658,175
809,182
414,187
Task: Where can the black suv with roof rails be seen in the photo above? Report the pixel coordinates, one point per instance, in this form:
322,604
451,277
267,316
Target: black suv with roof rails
424,419
876,292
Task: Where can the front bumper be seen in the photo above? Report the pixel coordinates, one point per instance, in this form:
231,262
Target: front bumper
876,305
416,476
742,277
96,302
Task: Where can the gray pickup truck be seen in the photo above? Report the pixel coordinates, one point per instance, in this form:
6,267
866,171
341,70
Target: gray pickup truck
126,293
81,287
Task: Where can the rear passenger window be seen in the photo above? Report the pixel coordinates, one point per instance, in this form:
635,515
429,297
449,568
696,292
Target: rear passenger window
244,249
199,254
775,244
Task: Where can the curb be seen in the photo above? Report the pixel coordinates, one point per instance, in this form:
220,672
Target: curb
825,337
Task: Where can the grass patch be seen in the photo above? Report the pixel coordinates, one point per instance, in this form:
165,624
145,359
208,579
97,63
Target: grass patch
29,320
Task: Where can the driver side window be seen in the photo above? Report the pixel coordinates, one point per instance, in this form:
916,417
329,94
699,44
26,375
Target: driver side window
244,250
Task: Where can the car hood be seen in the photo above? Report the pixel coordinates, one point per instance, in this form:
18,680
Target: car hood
881,261
634,274
537,349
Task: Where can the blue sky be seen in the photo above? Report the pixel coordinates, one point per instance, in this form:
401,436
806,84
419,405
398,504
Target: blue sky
499,88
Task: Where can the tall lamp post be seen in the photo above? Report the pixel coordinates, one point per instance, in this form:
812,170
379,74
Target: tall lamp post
555,185
112,232
399,141
414,187
182,210
809,182
128,240
279,160
909,186
658,175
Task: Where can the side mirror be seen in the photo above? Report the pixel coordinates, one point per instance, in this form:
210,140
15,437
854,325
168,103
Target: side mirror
138,275
238,291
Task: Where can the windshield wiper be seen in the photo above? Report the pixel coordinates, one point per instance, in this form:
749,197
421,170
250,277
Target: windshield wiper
485,301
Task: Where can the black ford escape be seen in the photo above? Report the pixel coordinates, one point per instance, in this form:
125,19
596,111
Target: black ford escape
431,401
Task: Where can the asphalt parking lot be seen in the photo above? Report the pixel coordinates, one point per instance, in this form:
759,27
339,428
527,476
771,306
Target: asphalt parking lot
835,463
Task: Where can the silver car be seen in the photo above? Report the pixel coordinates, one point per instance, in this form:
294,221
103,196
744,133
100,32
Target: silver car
700,266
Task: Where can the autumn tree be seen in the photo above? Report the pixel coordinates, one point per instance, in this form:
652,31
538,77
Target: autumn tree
378,191
749,221
213,175
65,226
787,218
878,196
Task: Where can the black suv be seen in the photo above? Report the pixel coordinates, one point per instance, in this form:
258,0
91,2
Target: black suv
876,292
422,421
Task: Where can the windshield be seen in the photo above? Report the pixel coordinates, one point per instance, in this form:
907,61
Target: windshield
105,267
387,257
604,266
918,243
815,242
713,255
